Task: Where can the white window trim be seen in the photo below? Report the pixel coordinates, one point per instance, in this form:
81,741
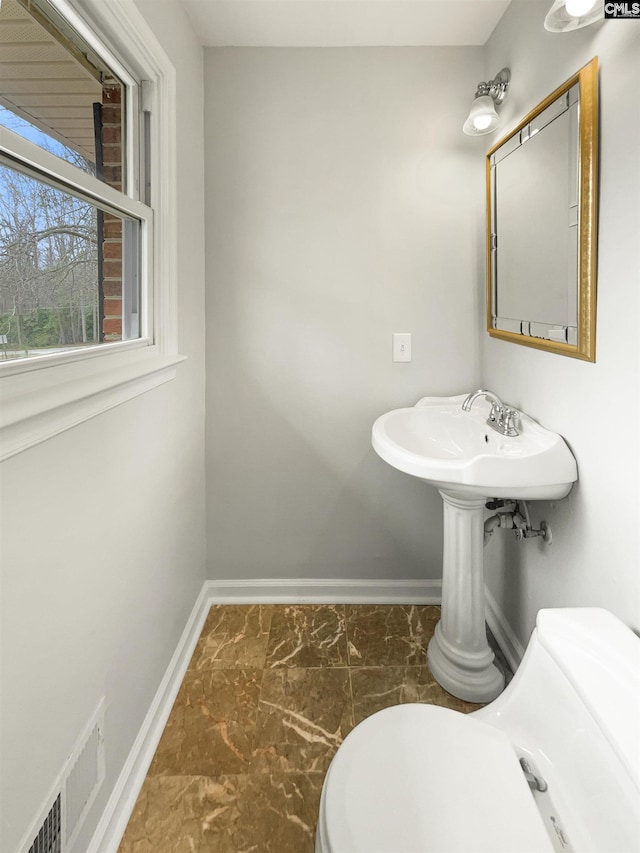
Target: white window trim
46,396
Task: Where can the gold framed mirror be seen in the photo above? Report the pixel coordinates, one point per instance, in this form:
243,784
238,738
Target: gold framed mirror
542,184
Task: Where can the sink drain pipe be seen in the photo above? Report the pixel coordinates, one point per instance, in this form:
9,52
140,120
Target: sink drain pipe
514,516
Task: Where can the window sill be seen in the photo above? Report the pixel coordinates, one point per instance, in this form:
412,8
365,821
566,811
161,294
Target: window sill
40,404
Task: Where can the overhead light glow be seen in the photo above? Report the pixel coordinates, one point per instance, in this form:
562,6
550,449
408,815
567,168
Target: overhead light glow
579,7
482,122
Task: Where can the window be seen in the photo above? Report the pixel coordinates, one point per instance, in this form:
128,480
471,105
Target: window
87,165
69,274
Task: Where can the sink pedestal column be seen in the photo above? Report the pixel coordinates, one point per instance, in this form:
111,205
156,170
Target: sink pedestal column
459,655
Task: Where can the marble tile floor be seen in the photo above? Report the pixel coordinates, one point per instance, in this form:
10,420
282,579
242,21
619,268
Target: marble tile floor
270,693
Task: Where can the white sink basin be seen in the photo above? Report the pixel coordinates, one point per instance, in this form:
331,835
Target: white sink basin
458,452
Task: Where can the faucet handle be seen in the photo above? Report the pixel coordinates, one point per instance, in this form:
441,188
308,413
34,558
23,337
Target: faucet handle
497,413
510,416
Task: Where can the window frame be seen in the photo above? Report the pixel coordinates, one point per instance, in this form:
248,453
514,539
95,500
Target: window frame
45,395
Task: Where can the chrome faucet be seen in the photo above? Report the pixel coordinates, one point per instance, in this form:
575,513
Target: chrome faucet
502,418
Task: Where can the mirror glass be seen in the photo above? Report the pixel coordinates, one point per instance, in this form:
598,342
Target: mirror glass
541,223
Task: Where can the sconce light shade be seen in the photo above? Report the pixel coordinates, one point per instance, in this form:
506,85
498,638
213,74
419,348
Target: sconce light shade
566,15
483,117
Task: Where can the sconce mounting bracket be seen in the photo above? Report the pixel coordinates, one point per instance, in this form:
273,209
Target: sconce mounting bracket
496,88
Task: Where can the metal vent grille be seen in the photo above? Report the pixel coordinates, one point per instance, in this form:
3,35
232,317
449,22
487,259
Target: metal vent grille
85,776
73,792
49,837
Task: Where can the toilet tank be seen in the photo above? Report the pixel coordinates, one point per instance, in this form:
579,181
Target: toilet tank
572,711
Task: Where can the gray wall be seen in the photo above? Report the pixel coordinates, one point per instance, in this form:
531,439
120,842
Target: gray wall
339,189
343,204
594,559
103,535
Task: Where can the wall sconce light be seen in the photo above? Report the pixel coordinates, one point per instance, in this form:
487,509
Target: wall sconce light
566,15
483,117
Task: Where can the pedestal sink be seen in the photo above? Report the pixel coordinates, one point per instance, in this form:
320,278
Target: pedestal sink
469,463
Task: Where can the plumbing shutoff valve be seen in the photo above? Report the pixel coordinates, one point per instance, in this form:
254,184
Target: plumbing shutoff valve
514,516
531,532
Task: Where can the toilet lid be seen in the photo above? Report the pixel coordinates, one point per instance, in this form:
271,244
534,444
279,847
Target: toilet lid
419,778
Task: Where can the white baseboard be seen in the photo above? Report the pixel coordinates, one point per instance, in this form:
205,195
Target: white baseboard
113,823
509,644
110,829
324,591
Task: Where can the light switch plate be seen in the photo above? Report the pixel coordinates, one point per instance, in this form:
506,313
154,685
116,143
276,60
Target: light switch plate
402,346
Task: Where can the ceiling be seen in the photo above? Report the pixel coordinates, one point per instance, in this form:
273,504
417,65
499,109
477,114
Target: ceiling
343,23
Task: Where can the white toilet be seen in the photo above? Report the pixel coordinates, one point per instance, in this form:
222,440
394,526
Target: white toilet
552,764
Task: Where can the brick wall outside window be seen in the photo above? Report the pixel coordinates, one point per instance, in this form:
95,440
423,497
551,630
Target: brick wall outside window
111,169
